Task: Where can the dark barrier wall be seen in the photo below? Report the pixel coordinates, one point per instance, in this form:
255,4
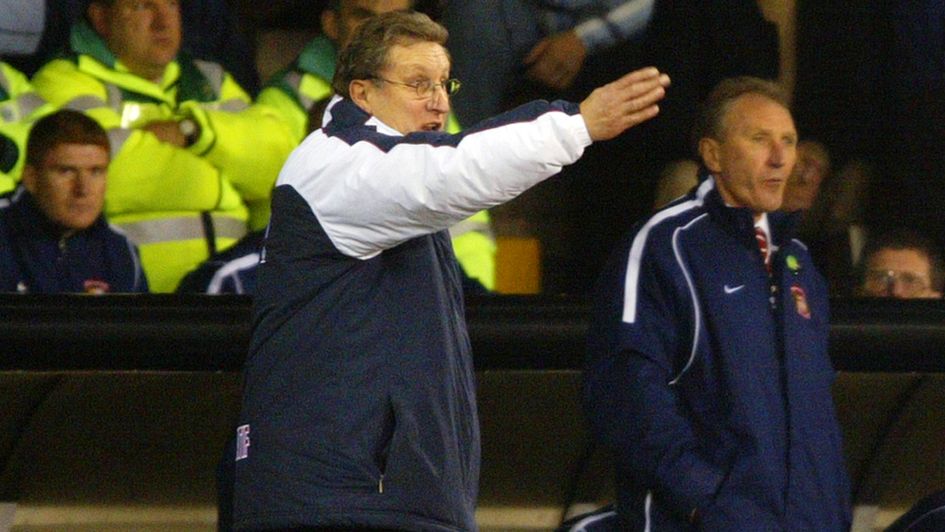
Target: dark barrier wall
129,400
202,333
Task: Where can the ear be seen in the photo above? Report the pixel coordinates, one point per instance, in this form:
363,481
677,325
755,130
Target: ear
98,15
29,178
360,94
329,20
709,151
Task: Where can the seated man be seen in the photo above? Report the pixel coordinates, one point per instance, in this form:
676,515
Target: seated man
19,106
53,235
902,264
300,92
194,161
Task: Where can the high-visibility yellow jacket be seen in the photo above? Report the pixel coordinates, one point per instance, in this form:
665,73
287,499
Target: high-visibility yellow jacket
295,94
177,204
19,107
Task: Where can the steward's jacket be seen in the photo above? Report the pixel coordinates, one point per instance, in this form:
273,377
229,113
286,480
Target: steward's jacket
304,87
19,107
711,380
177,204
36,258
359,403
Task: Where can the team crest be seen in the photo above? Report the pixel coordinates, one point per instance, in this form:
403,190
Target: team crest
95,286
800,302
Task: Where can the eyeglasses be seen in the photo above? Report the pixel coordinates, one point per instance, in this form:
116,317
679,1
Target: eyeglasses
884,282
425,87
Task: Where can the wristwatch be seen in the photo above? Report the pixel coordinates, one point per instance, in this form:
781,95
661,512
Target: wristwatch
189,128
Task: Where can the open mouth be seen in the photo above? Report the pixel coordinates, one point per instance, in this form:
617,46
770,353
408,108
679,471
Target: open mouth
433,126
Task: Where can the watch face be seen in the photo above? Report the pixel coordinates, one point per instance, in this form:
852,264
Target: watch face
187,127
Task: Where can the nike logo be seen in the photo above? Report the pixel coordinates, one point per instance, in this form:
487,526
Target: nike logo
732,289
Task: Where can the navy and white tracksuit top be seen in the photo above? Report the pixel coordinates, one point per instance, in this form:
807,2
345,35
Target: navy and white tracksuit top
36,258
359,403
711,381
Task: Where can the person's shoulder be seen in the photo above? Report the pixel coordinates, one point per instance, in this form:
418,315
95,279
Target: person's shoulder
660,227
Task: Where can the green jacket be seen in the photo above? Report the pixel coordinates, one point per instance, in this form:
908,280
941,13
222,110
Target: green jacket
177,204
20,106
296,92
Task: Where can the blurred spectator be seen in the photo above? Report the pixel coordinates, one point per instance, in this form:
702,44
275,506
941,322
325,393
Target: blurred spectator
53,235
19,106
21,26
300,92
494,43
700,42
194,162
826,238
902,264
232,271
803,186
676,179
211,31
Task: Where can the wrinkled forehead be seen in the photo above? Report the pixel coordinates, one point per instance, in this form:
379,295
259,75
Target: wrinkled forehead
755,110
408,54
901,259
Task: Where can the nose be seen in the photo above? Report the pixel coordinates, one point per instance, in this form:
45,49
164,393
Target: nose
82,183
778,156
897,289
439,100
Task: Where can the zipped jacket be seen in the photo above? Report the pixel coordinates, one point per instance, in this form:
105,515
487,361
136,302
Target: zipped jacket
36,258
710,379
359,402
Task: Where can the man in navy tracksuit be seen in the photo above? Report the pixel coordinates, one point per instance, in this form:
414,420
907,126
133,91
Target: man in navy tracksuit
708,371
359,404
53,235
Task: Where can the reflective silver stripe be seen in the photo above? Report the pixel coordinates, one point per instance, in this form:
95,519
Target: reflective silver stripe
472,226
85,103
232,106
115,99
29,102
117,137
294,79
181,228
213,72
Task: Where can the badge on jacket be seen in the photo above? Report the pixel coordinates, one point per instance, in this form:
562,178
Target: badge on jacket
800,302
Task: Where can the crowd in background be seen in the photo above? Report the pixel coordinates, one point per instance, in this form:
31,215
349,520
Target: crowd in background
197,139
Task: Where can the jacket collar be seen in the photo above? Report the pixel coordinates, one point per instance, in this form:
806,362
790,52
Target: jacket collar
28,220
319,58
343,113
740,221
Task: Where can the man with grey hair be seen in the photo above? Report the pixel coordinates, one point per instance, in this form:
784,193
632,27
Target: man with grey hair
359,406
708,373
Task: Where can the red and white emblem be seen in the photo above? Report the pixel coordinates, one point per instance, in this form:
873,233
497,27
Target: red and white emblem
800,301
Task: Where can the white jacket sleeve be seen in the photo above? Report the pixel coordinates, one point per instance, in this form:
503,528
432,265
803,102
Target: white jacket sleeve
381,190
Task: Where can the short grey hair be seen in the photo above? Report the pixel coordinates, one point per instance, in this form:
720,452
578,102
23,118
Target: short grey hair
711,120
367,52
